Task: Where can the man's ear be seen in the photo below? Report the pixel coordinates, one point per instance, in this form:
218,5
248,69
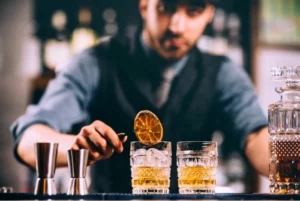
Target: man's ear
143,8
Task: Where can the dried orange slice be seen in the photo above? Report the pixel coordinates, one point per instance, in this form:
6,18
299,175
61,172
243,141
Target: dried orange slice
148,128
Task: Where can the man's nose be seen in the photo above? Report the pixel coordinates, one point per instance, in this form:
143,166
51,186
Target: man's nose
178,23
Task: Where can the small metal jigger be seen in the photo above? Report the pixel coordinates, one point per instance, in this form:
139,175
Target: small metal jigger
46,155
77,162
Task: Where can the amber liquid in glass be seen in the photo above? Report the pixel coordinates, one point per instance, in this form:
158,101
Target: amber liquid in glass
285,163
147,177
196,177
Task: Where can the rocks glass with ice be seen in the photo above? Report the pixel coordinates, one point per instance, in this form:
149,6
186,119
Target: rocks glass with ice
150,167
196,166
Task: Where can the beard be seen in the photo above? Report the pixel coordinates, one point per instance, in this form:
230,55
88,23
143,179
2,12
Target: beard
170,46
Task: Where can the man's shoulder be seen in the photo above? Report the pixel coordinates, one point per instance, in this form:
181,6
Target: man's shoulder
213,56
225,64
103,49
212,62
110,45
231,69
228,72
232,76
85,60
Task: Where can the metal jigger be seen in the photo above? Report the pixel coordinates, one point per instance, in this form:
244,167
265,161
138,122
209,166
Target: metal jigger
77,161
46,155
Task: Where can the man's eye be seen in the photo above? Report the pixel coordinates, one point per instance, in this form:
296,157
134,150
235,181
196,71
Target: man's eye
193,11
166,8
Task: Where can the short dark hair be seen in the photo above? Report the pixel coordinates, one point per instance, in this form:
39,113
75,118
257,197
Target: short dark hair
193,2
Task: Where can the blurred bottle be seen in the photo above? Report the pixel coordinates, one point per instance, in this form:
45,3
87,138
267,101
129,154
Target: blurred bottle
1,55
57,48
111,26
219,42
231,171
83,36
235,50
222,179
236,172
215,41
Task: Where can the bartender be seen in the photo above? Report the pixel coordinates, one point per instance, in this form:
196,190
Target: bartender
160,69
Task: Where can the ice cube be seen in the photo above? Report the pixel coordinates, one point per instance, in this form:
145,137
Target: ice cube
156,157
139,157
138,161
140,152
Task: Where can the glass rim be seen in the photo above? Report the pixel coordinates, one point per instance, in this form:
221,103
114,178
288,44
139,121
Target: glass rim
131,142
213,142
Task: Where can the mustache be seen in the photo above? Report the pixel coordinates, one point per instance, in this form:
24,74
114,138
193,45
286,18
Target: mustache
172,35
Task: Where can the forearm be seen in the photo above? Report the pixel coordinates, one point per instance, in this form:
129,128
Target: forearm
257,151
43,133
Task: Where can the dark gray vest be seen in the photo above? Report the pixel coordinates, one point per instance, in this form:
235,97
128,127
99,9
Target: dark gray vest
189,114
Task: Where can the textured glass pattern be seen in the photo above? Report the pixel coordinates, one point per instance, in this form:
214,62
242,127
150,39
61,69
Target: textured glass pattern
150,168
284,133
196,167
285,72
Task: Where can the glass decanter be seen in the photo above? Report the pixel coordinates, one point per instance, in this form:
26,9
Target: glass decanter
284,133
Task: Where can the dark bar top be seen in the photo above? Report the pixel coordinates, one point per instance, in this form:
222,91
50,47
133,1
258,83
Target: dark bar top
113,196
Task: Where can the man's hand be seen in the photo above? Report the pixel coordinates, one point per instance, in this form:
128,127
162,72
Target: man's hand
100,139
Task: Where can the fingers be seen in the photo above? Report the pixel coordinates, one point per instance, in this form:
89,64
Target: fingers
83,143
90,139
75,146
100,139
109,134
124,139
100,145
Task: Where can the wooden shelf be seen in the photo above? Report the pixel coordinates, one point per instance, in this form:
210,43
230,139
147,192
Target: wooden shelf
278,46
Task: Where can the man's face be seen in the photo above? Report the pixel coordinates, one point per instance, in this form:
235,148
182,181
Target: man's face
172,27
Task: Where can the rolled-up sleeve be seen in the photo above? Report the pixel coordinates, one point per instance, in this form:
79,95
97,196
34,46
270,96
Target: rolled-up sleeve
66,98
242,114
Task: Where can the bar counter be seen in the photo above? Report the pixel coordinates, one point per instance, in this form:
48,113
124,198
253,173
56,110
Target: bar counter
113,196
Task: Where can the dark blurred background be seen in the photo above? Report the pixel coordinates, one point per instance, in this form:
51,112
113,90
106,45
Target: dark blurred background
38,36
